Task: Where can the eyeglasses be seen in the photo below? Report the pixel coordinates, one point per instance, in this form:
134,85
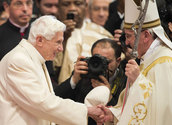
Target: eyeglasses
20,4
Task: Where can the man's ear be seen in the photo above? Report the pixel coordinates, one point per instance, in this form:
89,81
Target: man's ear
118,60
147,36
39,40
6,6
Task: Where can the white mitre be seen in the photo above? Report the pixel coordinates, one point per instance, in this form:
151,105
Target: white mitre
152,20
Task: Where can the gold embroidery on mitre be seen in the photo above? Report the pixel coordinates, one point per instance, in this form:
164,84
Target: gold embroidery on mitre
140,113
158,61
146,25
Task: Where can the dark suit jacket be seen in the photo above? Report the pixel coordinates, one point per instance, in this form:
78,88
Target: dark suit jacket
10,37
114,21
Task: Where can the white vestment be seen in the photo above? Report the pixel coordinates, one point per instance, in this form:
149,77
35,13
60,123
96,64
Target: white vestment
149,101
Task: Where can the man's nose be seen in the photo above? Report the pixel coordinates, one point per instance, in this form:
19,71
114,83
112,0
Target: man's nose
101,12
54,10
127,42
72,7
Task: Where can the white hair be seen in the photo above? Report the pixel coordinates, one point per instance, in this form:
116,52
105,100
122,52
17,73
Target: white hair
152,33
46,26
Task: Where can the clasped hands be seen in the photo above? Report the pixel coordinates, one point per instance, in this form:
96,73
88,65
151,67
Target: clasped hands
100,114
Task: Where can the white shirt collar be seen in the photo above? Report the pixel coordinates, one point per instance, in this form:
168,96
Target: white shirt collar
121,15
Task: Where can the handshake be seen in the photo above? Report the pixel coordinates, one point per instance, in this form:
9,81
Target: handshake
100,114
96,100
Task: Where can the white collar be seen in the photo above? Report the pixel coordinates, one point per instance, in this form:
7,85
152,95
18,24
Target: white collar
151,49
121,15
22,28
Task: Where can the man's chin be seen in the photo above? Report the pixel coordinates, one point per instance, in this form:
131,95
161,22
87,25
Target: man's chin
25,20
111,73
50,58
24,23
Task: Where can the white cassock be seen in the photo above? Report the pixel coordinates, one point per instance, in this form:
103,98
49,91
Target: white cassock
26,93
